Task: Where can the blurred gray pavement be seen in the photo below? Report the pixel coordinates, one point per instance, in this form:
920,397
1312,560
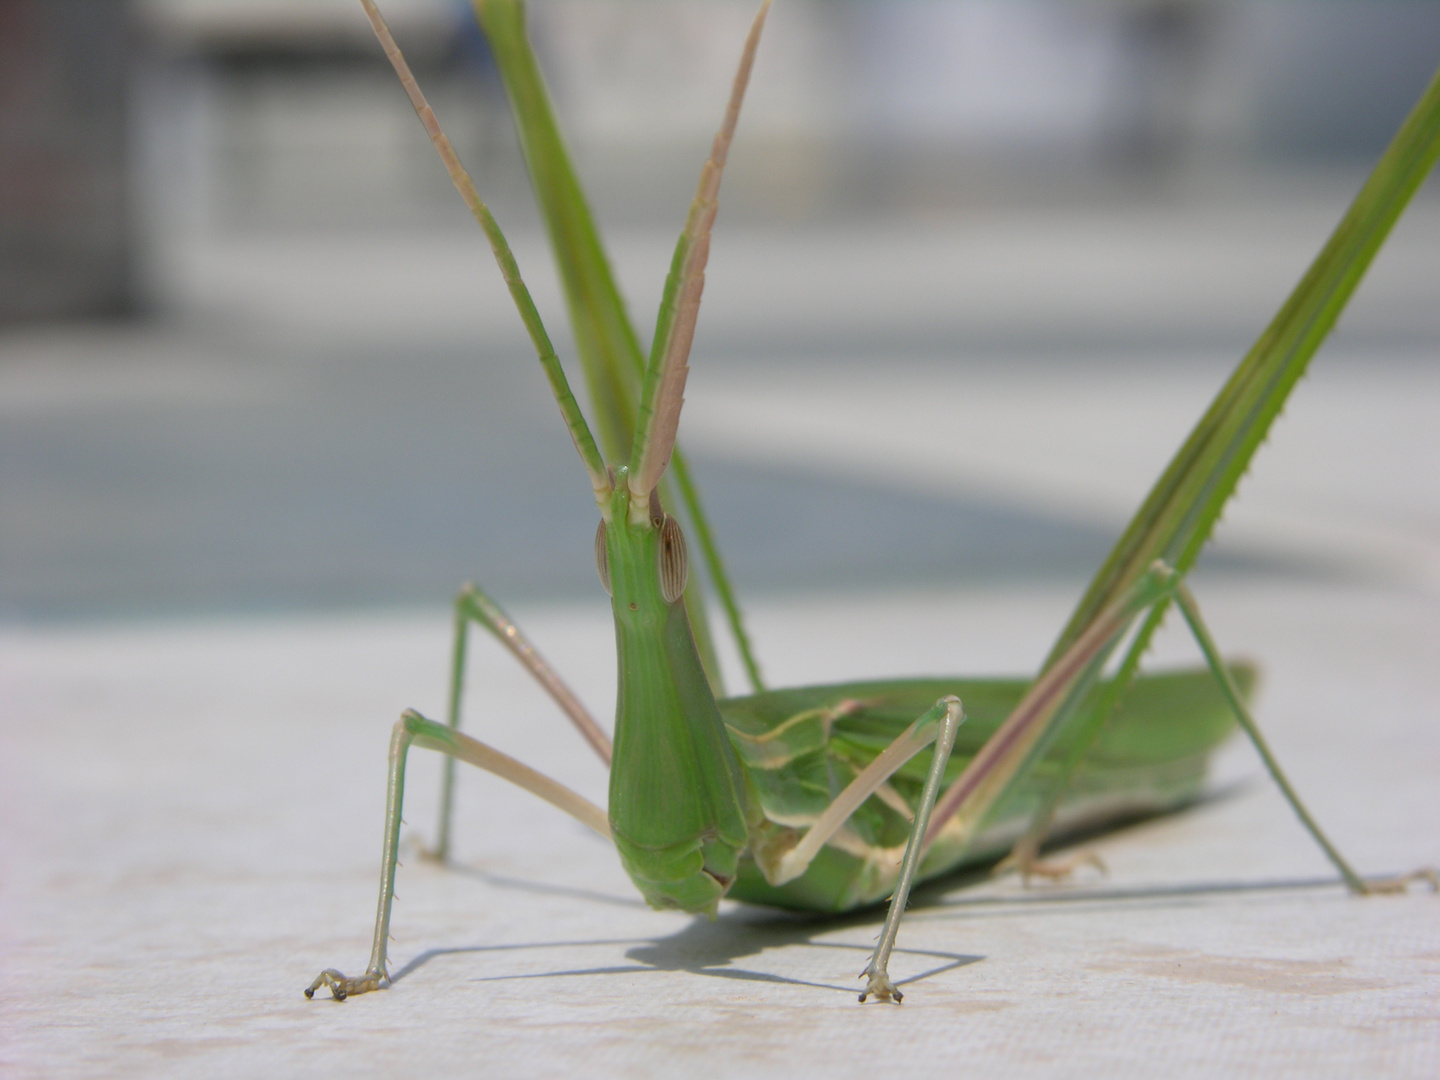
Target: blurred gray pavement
320,421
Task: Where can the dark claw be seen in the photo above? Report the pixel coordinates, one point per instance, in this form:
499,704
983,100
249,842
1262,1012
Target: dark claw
341,987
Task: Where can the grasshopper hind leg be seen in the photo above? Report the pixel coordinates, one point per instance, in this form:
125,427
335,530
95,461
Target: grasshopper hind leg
1357,884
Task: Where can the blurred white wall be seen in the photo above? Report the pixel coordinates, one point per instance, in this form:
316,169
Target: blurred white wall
269,123
166,122
276,113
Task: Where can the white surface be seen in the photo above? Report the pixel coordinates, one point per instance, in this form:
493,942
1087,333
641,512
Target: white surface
193,814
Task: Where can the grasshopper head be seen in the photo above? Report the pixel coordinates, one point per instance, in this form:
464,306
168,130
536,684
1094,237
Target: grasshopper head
641,562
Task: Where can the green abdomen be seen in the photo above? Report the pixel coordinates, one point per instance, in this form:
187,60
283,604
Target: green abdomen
803,746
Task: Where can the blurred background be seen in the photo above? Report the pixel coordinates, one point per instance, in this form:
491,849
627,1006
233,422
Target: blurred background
979,264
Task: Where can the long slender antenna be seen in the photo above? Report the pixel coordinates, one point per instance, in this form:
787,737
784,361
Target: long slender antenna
664,391
559,386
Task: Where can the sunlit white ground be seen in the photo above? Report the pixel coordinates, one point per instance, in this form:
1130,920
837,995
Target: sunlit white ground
192,831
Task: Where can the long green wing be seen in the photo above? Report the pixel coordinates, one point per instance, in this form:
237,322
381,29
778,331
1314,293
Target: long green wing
609,348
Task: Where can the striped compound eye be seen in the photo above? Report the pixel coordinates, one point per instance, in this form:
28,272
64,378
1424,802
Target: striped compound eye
674,563
602,558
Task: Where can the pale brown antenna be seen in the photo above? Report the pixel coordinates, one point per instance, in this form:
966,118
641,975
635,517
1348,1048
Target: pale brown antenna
664,391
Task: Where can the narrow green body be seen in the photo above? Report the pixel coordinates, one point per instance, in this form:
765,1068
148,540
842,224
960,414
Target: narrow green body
680,808
707,796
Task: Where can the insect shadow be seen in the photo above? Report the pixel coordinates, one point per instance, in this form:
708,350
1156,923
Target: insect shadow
702,947
711,947
938,897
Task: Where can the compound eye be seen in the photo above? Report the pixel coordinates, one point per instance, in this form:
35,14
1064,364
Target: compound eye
602,558
674,563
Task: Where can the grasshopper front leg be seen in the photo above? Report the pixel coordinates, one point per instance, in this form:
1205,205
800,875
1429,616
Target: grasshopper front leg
937,724
414,729
377,976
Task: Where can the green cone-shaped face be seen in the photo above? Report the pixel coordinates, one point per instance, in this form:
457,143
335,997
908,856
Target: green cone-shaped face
679,807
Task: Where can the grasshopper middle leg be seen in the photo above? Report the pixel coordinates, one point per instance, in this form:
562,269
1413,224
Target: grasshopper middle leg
938,724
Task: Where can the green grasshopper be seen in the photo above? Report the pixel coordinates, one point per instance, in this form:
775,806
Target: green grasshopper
816,798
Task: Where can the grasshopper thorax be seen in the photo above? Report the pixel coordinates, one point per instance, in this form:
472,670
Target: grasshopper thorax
679,808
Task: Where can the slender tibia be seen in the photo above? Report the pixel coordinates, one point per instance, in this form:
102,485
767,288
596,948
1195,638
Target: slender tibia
1357,884
414,729
376,976
458,645
877,971
472,605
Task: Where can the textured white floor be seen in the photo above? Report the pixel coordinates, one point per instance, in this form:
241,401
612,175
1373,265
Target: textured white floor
192,828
